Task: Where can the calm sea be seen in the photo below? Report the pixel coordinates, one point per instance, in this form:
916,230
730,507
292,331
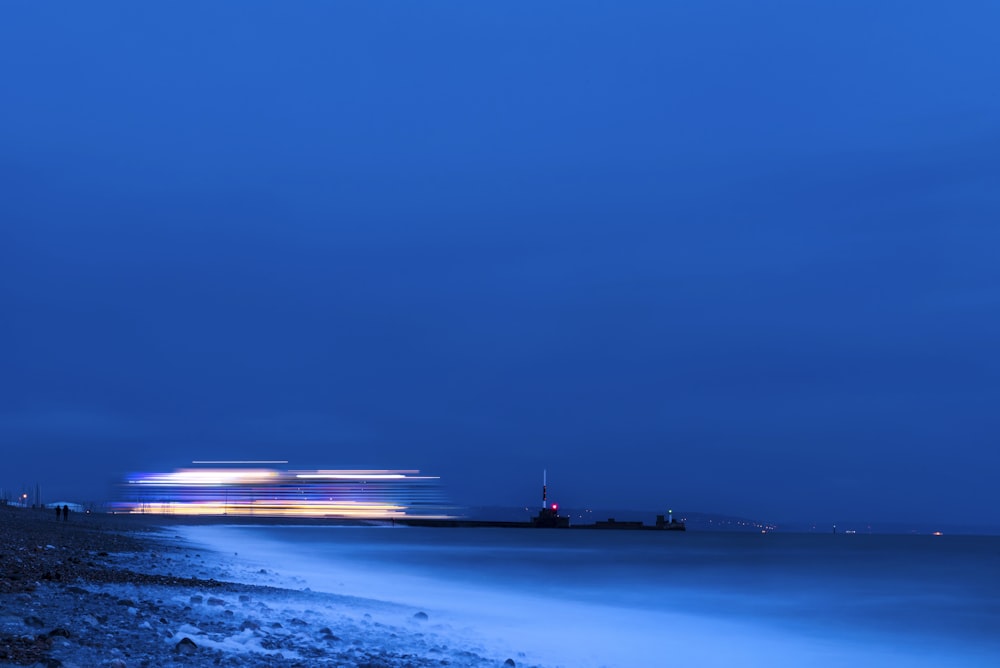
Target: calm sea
592,598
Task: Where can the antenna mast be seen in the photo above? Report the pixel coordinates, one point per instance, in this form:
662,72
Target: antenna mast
545,503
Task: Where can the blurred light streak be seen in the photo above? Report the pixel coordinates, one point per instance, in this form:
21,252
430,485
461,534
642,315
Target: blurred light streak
381,494
236,461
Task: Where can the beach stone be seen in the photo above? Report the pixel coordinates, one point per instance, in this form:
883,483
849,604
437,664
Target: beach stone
49,662
244,598
421,616
509,662
116,663
185,646
31,620
216,601
59,631
249,624
196,599
295,621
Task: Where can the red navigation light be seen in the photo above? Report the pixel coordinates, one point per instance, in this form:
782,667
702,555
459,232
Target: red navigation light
555,506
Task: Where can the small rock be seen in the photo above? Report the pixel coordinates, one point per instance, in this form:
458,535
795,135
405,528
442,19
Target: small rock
244,598
185,646
196,599
509,662
249,624
31,620
59,631
216,601
116,663
49,663
298,622
422,616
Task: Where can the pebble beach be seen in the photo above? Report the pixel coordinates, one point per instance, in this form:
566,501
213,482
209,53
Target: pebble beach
123,591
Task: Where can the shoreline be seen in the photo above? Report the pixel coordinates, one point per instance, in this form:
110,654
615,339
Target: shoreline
121,591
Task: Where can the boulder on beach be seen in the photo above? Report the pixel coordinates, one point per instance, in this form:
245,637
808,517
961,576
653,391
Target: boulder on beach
185,646
421,616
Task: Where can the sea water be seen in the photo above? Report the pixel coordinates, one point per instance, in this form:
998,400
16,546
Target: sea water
637,598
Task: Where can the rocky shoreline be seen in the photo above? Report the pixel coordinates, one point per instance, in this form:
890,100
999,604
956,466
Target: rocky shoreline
108,590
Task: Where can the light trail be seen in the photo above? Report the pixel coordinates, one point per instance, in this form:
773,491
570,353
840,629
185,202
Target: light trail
380,494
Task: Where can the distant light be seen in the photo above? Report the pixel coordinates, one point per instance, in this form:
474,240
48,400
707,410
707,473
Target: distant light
937,533
555,506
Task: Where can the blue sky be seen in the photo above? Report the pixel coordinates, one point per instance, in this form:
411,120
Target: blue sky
721,256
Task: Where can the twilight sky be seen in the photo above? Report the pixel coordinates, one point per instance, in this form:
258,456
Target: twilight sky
720,256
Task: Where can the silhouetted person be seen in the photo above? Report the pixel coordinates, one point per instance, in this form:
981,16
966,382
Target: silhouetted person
58,512
65,513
